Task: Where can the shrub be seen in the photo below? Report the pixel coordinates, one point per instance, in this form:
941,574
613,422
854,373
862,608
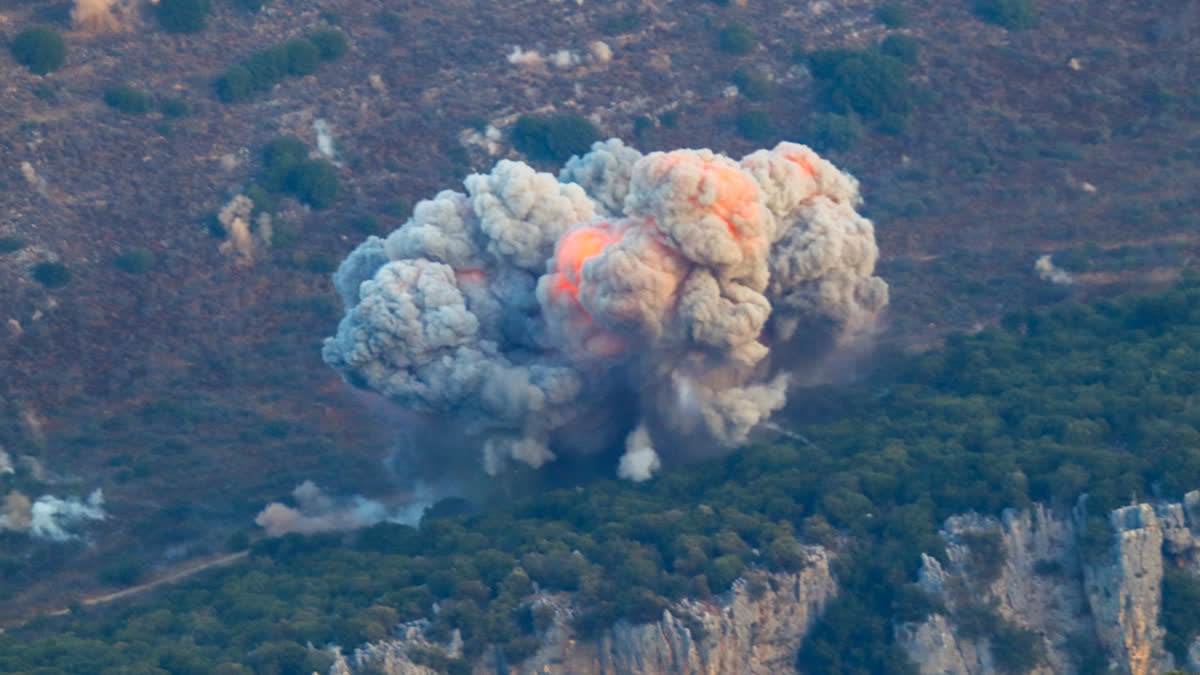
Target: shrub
1016,650
755,125
51,274
331,43
903,48
39,49
123,572
753,85
182,16
1180,610
892,15
10,243
136,261
555,138
303,57
236,85
867,82
315,182
622,24
174,106
737,38
1008,14
128,99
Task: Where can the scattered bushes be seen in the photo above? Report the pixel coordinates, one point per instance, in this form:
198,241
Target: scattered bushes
1180,610
51,274
1008,14
836,132
555,138
128,99
869,83
264,69
182,16
737,38
39,49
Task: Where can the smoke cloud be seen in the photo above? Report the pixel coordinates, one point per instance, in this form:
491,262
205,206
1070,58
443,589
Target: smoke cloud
659,301
49,517
317,512
1048,271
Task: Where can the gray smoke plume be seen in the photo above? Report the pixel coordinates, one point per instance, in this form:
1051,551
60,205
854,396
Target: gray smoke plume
652,297
317,512
49,517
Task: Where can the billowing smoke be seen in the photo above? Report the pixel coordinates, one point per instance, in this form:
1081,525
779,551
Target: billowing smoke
49,517
102,15
660,300
317,512
1048,271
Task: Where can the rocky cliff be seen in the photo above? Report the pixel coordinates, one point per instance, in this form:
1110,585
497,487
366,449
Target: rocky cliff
755,628
1036,591
1064,588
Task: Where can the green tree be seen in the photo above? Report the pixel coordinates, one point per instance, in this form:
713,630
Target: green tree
182,16
128,99
39,49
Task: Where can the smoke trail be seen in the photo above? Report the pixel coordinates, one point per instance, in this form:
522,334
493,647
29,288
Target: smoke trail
652,297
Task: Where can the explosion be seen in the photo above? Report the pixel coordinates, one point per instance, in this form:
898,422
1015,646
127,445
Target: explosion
634,299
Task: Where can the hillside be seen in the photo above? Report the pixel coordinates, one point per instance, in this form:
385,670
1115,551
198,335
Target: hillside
187,383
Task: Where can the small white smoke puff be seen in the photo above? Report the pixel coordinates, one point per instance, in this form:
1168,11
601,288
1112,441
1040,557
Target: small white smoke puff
319,512
543,315
1048,271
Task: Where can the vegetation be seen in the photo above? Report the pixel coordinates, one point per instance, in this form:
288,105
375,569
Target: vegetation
866,82
1008,14
737,38
555,138
40,49
753,85
174,106
288,168
1180,611
892,15
294,58
129,99
1098,393
182,16
755,125
51,274
136,261
11,243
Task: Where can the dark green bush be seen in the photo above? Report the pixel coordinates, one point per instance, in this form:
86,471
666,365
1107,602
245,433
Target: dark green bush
622,24
904,48
51,274
1180,610
136,261
182,16
39,49
1008,14
303,57
737,38
174,106
1016,650
10,243
315,182
892,15
128,99
125,571
753,85
555,138
236,85
331,43
864,81
755,125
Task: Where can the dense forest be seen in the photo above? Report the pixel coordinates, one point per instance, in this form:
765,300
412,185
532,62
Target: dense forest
1098,399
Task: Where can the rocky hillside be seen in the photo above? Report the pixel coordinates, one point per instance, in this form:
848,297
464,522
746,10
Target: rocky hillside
1036,591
